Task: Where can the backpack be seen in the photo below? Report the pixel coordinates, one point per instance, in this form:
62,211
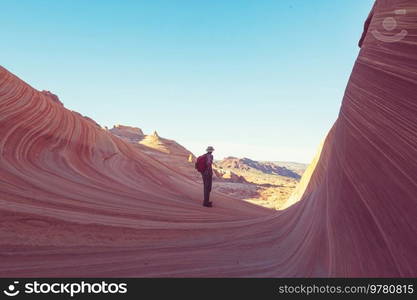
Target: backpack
201,163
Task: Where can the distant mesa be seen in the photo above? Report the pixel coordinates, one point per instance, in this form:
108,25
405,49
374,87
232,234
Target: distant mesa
296,167
247,164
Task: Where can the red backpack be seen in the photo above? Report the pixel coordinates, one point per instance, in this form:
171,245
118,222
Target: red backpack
201,163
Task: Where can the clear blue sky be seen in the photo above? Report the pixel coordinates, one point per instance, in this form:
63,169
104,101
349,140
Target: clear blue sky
262,79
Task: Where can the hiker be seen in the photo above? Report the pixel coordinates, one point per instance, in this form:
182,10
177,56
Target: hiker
204,166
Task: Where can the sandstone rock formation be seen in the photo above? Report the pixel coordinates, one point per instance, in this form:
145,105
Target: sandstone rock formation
131,134
79,201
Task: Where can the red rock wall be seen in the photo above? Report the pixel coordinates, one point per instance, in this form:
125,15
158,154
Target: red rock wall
77,201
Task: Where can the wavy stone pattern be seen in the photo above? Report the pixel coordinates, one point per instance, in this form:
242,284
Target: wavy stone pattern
77,201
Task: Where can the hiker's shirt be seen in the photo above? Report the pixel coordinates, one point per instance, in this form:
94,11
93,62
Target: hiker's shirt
209,161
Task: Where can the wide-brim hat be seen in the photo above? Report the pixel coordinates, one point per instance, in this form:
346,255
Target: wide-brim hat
210,149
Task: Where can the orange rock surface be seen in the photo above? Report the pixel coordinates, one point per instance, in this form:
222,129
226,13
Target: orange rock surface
79,201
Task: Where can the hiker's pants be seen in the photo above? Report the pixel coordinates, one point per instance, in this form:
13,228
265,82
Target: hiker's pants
207,181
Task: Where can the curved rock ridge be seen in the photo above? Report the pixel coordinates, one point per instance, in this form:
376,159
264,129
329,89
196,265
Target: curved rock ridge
52,96
54,158
365,180
78,201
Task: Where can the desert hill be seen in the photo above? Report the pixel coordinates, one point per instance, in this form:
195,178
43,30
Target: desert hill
268,184
246,164
298,168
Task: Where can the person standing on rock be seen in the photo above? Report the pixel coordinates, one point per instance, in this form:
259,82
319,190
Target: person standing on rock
204,166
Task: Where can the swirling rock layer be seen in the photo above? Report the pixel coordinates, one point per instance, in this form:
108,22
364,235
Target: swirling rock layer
78,201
